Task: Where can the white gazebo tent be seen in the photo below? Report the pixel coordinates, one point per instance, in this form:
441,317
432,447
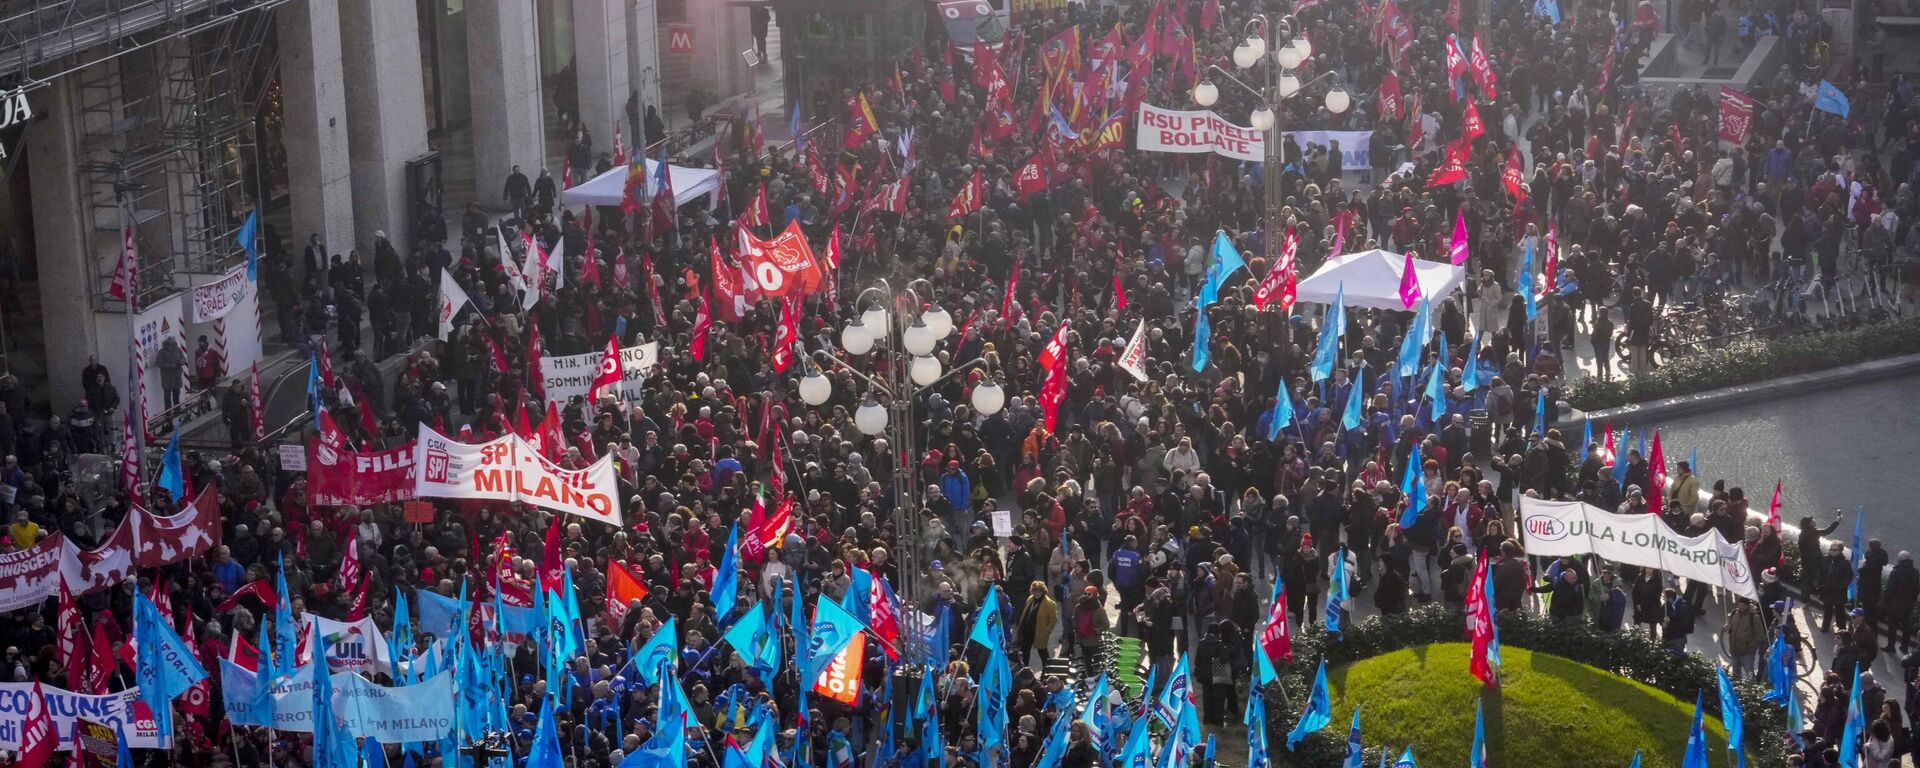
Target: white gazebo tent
610,188
1372,279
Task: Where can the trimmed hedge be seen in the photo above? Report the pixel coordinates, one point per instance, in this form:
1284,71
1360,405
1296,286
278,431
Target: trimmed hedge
1745,362
1628,654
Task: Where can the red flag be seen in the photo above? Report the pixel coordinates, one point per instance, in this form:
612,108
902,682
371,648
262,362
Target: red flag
1656,475
1482,68
536,374
552,569
1279,279
756,213
553,441
619,146
1032,176
1471,127
622,276
1456,62
1276,638
1119,293
623,587
1013,289
349,575
728,296
38,741
358,609
1773,507
885,621
785,336
612,372
1052,392
947,92
104,663
1736,116
72,649
259,589
1514,175
1452,168
1210,14
774,533
1480,625
499,357
126,272
777,480
1454,15
860,122
256,403
1390,102
1054,355
971,196
702,324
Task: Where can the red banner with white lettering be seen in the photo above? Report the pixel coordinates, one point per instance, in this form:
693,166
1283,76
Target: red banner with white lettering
1736,117
342,478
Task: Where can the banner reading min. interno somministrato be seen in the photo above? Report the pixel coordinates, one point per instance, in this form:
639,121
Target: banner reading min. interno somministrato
508,469
1555,528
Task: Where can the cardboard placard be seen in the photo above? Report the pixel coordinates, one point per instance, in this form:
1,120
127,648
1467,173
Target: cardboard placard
418,511
293,458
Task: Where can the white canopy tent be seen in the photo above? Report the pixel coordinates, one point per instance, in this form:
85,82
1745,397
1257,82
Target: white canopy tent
1372,279
610,188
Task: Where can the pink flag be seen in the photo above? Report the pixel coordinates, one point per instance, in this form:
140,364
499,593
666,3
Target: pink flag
1773,509
1457,249
1409,284
1480,626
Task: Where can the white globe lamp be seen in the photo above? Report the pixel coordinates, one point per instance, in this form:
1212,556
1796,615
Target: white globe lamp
1262,119
1338,100
989,398
870,418
918,339
939,320
855,339
1244,56
1206,93
815,388
1289,56
924,370
876,321
1289,85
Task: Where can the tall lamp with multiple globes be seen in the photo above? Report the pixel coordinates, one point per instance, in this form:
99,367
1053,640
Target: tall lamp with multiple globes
1290,48
898,333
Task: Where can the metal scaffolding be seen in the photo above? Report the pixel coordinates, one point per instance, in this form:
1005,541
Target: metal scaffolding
167,96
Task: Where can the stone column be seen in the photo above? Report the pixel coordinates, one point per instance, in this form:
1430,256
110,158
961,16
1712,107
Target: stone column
503,60
386,116
600,60
62,241
643,62
313,88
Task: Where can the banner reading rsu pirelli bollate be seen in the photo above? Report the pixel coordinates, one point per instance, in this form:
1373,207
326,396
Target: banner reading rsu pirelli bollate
1554,528
508,469
1195,131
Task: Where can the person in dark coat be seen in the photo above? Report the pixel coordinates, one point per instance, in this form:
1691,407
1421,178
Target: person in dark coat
1836,573
1897,598
1810,535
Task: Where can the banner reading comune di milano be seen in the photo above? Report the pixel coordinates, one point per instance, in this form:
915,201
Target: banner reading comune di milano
1555,528
508,469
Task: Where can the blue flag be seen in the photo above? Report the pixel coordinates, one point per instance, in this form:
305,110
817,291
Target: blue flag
1282,412
1056,746
1094,714
661,650
248,237
332,745
1477,757
1406,759
1337,593
1853,587
859,598
1328,351
1470,375
165,665
1540,411
1415,486
751,637
832,629
1526,281
987,629
1137,752
123,755
1780,670
1202,340
1829,99
1437,387
546,740
1355,751
1547,8
1178,693
1730,716
1620,458
1351,416
726,577
1414,345
1693,460
996,685
171,476
1319,711
1256,722
1696,754
400,641
1851,735
1636,759
1226,261
1586,439
372,755
795,128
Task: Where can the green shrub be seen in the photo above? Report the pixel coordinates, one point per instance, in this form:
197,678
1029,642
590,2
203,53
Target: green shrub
1628,654
1745,362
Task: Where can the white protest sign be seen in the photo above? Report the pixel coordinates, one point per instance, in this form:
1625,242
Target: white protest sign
1003,523
571,375
214,300
508,469
1555,528
293,458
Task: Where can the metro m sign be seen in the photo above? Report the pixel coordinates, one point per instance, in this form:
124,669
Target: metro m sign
680,38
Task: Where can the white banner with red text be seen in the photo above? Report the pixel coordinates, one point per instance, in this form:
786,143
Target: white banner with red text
1556,528
123,709
567,376
508,469
1195,131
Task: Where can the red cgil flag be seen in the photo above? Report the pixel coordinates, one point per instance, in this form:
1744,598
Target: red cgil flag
611,372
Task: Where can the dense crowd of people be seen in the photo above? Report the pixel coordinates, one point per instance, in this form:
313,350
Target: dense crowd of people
1159,505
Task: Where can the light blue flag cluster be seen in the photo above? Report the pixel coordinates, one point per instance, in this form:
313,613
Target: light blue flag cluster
1056,745
1470,375
1852,735
1177,693
546,740
1328,351
1094,714
988,629
756,642
1437,385
1780,669
1526,281
1351,416
660,651
1731,717
1182,740
165,665
1226,261
1137,752
1319,711
333,746
996,686
1477,756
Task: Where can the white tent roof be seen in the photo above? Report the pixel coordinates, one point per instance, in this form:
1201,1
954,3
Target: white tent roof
1372,279
609,188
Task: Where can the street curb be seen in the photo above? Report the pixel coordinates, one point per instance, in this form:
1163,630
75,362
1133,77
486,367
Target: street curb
1711,400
